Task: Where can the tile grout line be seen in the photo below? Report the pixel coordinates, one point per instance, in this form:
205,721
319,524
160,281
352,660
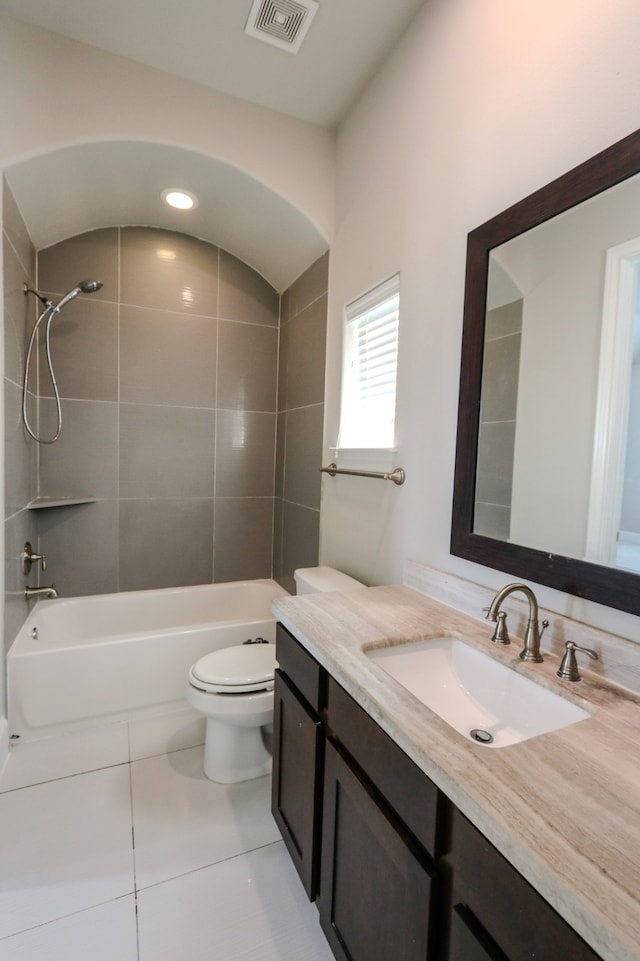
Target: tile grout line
133,849
62,917
60,777
207,867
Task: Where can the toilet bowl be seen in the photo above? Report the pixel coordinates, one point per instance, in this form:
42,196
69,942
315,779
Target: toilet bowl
233,688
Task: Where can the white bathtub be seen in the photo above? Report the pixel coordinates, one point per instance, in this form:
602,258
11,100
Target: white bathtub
115,657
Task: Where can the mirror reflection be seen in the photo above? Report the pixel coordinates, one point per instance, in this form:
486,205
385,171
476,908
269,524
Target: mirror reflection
558,457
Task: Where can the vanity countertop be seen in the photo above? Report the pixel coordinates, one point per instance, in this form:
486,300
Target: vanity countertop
563,808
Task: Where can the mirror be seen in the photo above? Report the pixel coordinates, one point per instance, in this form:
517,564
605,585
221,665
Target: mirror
546,385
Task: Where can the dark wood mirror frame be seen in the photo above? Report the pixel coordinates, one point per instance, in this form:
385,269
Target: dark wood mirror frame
605,585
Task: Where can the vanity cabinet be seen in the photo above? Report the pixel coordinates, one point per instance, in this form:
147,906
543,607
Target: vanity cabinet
358,817
298,752
399,874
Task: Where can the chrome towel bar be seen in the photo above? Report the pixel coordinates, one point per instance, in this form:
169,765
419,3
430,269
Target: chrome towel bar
397,475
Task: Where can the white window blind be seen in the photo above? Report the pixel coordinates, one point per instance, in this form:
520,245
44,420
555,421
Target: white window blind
370,368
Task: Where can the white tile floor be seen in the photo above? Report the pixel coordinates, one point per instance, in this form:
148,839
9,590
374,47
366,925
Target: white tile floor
147,861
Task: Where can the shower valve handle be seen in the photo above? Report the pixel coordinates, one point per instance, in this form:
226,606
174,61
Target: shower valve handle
29,557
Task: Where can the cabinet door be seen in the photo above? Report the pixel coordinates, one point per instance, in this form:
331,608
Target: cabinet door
297,779
376,889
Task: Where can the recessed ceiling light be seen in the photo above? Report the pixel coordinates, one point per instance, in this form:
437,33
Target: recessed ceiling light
180,199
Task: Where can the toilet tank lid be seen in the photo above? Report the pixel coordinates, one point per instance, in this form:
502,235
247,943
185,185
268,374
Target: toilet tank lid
316,579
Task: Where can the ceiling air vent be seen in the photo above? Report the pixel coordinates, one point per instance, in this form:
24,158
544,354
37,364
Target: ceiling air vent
283,23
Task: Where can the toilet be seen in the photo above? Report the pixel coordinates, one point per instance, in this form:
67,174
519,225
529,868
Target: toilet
233,688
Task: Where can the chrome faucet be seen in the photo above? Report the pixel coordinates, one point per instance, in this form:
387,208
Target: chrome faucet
31,592
531,649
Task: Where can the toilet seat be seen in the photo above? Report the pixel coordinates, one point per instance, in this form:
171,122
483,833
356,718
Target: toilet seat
236,670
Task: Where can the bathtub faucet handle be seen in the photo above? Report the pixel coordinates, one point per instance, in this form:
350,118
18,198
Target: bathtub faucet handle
29,557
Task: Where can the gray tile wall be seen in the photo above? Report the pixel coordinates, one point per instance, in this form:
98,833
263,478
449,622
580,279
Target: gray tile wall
168,377
501,367
303,328
19,266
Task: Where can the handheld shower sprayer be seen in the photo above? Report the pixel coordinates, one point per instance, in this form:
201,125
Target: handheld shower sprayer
84,287
50,309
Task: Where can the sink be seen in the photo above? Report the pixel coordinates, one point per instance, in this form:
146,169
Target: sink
482,698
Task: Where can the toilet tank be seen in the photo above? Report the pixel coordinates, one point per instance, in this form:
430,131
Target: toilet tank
313,580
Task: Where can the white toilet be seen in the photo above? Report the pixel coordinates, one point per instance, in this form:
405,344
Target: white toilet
233,688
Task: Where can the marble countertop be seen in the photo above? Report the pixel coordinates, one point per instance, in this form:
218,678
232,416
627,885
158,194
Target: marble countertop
563,808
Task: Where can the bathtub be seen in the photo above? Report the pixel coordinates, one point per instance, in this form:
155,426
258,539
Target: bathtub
114,657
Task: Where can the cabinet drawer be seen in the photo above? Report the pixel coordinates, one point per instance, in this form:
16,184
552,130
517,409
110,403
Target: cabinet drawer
300,667
510,911
408,791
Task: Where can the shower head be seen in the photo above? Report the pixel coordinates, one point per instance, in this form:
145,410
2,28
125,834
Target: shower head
84,287
89,286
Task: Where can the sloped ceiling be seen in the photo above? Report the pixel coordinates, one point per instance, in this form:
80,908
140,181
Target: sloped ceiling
204,41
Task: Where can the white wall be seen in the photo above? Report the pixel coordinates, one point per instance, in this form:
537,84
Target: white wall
479,105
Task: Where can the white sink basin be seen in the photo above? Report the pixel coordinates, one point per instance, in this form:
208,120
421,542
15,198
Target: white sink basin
472,691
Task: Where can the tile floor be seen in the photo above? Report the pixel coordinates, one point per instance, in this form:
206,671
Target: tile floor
147,861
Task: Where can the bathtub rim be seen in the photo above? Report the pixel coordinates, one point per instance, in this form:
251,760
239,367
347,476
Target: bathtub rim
39,608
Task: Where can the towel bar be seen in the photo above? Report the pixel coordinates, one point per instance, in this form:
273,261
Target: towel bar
397,475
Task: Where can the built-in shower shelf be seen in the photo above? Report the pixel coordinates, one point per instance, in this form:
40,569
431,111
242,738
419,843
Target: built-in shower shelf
38,503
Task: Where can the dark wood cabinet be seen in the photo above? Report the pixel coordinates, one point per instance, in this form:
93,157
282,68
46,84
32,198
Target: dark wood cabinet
411,795
398,872
469,941
377,886
496,908
298,750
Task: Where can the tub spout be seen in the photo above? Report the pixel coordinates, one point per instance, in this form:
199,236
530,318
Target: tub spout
31,592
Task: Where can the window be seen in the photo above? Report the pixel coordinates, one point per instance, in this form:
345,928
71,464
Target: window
370,365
